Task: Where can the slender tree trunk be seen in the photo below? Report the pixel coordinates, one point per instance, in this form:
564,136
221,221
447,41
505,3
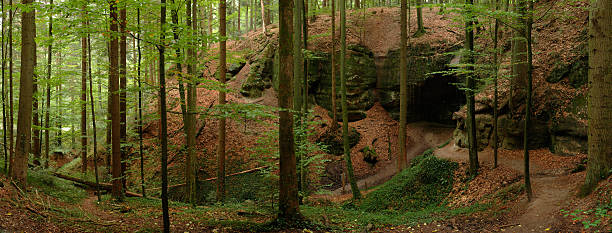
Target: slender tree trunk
520,67
528,22
495,94
334,95
345,128
600,99
4,118
221,134
263,16
191,108
35,149
117,190
470,85
10,100
239,16
289,209
402,156
163,135
179,58
48,102
123,89
84,96
268,14
93,117
420,28
24,119
140,138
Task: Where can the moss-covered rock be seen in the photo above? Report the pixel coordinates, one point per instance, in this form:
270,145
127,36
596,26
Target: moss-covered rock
360,81
424,184
260,75
422,61
332,140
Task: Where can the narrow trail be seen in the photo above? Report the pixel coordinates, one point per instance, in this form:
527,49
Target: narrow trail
552,189
420,137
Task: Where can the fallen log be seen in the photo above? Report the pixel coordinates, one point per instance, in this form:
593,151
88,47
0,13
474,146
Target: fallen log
93,185
215,178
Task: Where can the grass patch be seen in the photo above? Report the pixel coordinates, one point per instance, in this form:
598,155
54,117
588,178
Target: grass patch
63,190
422,186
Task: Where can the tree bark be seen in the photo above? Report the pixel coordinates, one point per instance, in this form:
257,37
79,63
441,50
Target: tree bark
334,95
11,135
140,122
191,108
402,156
163,135
420,28
471,89
289,209
123,89
4,118
528,19
48,102
600,99
117,191
221,133
26,81
84,96
345,131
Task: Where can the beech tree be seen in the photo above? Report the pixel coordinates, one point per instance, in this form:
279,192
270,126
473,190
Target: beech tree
221,134
401,157
345,131
163,134
600,101
117,190
289,209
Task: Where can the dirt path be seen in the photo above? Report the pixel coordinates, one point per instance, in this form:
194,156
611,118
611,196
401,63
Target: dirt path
552,189
421,136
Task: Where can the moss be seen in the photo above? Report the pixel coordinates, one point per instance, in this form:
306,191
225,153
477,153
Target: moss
421,186
61,189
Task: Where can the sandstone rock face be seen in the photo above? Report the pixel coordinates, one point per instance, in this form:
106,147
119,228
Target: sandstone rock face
360,81
432,96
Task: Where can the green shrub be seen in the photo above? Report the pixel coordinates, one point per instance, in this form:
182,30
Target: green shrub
423,185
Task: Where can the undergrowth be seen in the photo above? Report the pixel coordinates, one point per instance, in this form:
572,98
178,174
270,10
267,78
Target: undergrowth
424,185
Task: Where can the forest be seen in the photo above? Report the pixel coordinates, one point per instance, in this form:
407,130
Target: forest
306,116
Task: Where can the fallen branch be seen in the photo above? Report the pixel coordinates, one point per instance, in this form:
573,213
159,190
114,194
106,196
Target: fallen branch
215,178
93,185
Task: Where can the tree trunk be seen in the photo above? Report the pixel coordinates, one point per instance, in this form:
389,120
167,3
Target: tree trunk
35,123
263,16
10,100
420,28
4,118
600,99
289,209
345,132
163,135
93,117
123,90
140,122
334,95
528,19
84,96
239,16
520,67
495,94
48,102
117,191
26,81
191,109
471,89
221,134
402,162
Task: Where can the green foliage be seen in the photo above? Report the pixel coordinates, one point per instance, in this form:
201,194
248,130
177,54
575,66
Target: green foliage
61,189
423,185
592,218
